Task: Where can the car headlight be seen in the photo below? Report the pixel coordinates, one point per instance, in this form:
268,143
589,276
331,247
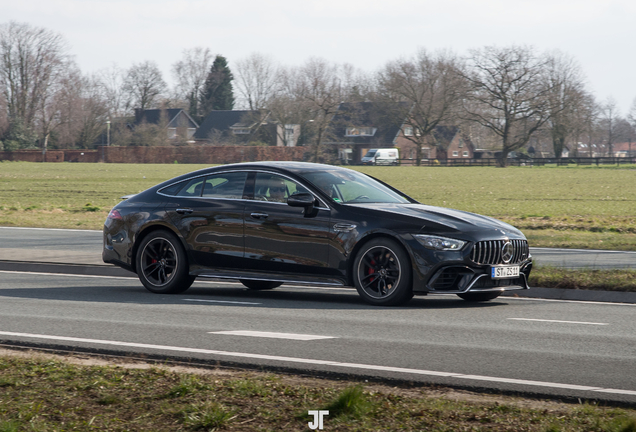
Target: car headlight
439,243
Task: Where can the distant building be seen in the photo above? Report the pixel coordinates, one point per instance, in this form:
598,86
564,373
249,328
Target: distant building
357,127
245,126
178,123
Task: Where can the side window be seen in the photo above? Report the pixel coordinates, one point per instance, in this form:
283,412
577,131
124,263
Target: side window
275,188
173,189
225,185
192,188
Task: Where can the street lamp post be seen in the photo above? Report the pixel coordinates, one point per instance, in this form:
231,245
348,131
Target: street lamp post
107,132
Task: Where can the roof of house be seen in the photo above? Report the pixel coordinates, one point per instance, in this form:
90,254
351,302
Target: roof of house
444,135
156,116
363,114
224,120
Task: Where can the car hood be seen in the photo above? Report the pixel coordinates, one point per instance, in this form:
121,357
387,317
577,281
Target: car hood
434,218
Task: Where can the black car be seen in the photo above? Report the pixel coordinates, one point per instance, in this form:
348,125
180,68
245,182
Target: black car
271,223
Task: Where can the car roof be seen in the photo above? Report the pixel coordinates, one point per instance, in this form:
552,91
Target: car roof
287,165
297,168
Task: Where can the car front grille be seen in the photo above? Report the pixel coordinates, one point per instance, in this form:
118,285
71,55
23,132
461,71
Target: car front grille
491,252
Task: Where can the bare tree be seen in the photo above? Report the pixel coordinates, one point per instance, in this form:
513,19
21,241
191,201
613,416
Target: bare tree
567,98
144,84
508,94
609,124
93,112
631,118
31,60
190,73
318,91
57,115
584,124
111,83
256,80
288,109
422,93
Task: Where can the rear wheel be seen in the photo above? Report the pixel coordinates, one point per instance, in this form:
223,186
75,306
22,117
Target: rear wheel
162,265
259,284
480,296
382,273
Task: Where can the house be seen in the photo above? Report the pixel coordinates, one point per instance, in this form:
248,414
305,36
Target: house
450,143
359,126
245,126
178,123
626,149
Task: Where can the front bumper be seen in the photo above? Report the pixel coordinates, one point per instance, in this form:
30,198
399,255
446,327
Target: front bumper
459,279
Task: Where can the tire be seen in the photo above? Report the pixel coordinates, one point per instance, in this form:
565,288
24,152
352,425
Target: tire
382,273
480,296
162,265
259,284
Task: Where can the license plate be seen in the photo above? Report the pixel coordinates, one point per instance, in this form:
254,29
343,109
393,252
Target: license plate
504,272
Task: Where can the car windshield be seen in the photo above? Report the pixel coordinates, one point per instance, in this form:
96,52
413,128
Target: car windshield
350,187
371,153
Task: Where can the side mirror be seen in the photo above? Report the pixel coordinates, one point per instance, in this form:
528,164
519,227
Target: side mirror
302,200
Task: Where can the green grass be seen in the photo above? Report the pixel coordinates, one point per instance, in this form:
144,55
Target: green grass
581,207
588,279
48,393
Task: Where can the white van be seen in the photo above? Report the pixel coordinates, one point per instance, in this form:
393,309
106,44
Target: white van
383,156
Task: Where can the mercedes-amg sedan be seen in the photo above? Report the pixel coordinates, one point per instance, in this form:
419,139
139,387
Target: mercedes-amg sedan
271,223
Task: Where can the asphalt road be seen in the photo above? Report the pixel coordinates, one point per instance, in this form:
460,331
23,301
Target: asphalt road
574,349
85,247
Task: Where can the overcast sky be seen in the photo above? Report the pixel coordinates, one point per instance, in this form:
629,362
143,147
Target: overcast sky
599,34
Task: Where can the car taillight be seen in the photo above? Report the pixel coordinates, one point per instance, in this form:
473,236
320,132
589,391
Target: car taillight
115,215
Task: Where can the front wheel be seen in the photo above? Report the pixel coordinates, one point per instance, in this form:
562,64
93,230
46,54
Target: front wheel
162,265
480,296
382,273
259,284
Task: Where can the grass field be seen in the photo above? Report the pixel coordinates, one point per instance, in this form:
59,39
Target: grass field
579,207
570,207
45,393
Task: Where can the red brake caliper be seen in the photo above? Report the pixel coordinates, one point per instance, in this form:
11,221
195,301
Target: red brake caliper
371,271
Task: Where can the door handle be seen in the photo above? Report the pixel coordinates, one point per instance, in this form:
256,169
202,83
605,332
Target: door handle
259,215
184,210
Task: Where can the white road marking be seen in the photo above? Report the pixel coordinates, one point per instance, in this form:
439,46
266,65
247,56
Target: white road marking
51,229
324,363
216,282
69,275
221,301
564,301
558,321
581,250
273,335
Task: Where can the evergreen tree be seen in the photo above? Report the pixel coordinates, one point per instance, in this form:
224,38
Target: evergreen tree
217,92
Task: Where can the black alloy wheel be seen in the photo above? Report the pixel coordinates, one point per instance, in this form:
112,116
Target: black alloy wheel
260,284
382,273
162,265
480,296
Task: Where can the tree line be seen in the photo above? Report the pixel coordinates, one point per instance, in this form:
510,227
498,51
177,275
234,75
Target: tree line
508,99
